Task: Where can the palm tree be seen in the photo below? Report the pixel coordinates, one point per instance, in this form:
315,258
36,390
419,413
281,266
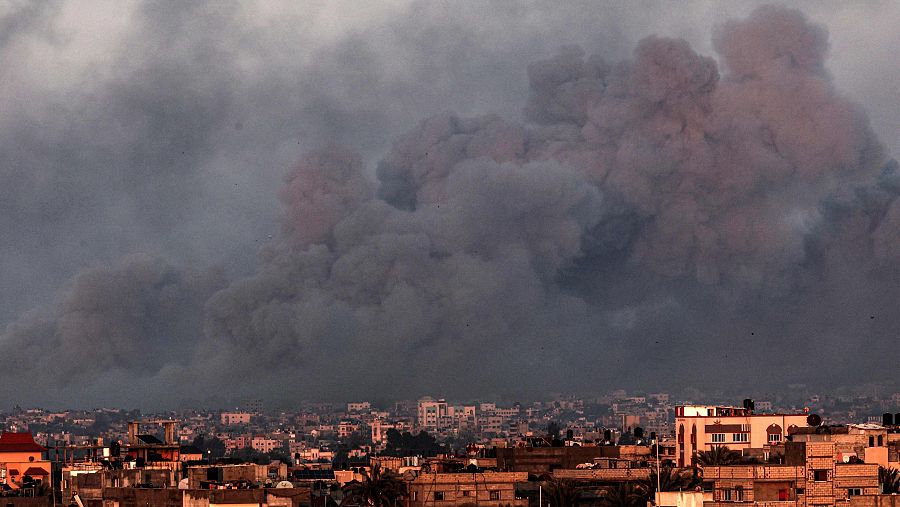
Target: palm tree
672,479
561,492
380,488
718,456
889,479
625,494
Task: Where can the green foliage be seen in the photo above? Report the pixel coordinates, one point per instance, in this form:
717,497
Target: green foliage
553,429
561,492
889,478
379,488
625,494
215,446
672,479
406,444
718,456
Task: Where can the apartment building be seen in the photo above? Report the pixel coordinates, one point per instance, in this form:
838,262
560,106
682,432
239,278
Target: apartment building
234,418
430,412
702,427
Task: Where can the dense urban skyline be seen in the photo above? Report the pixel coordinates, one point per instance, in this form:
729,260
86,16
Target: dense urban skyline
293,201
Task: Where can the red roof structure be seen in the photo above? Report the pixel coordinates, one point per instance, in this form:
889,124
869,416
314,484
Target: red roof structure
19,442
35,472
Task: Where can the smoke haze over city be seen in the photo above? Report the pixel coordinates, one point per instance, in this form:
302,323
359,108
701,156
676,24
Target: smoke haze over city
213,201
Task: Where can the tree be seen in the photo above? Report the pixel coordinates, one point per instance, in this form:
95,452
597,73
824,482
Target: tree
215,446
625,494
553,429
672,479
889,478
718,456
379,488
561,492
405,444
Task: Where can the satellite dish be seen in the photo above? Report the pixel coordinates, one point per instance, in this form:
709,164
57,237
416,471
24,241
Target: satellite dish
284,485
813,420
183,484
410,475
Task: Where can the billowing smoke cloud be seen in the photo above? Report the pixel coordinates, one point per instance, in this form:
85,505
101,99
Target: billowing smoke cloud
666,220
132,320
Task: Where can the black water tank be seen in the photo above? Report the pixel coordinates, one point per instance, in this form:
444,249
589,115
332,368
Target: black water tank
887,419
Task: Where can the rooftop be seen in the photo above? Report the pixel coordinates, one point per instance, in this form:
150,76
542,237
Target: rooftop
19,442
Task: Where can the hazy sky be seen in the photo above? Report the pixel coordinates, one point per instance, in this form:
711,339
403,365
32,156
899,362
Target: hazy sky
164,227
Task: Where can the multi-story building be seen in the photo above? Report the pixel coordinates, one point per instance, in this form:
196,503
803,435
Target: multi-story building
264,444
347,428
702,427
234,418
361,406
379,429
430,413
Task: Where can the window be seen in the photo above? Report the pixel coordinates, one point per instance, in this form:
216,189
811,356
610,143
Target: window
740,437
854,491
871,441
774,438
718,438
782,495
438,495
800,491
739,494
415,495
726,495
820,475
466,493
495,495
880,440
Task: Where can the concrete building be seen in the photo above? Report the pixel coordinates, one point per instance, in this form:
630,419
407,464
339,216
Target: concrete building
490,489
264,444
234,418
869,443
811,476
702,427
361,406
431,413
543,460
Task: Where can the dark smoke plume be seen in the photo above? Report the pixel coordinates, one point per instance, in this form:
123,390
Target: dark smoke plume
668,220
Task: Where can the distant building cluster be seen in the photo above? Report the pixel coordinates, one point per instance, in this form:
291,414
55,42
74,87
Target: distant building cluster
621,448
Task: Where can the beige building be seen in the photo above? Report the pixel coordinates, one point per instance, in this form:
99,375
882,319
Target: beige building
702,427
869,443
234,418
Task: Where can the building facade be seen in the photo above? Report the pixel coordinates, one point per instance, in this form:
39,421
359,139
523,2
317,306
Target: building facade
702,427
